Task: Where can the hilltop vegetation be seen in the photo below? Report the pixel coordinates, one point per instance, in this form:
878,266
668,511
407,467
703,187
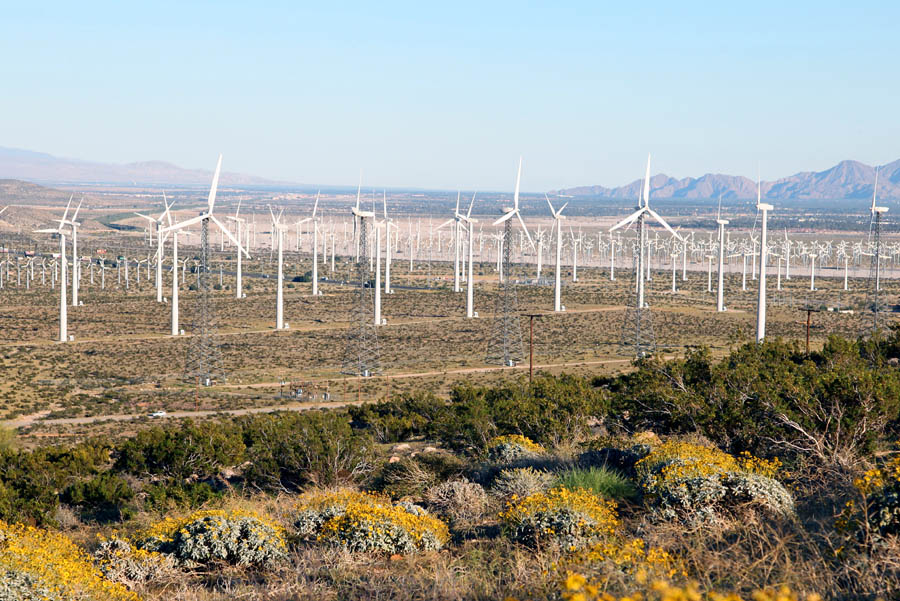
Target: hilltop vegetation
768,468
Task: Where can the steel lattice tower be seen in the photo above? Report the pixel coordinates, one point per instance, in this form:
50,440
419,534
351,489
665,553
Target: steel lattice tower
361,354
204,360
505,343
638,337
873,286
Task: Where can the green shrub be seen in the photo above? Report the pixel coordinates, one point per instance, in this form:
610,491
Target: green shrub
181,451
293,450
103,497
401,418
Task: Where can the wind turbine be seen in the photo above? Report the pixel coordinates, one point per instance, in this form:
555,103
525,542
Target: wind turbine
160,240
389,223
557,221
206,217
643,209
238,282
509,213
75,262
720,292
278,228
63,317
470,278
763,251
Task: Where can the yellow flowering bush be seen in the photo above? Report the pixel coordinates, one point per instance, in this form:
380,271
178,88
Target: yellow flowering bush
627,557
696,482
879,501
362,521
576,587
42,565
236,537
513,447
570,518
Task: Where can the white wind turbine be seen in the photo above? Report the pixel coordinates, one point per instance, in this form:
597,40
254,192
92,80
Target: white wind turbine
720,291
160,240
643,209
238,280
470,278
278,229
509,213
63,317
763,251
75,261
557,221
175,228
389,223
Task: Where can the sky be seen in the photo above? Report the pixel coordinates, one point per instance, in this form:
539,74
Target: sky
449,95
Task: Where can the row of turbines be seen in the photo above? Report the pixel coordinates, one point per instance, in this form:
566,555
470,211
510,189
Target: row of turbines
606,248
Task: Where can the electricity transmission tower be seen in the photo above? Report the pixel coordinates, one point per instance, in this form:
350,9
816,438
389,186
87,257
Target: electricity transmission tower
873,286
505,342
361,354
204,360
638,337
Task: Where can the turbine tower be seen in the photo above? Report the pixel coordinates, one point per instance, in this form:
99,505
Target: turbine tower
238,278
63,316
557,221
470,278
763,251
720,291
505,344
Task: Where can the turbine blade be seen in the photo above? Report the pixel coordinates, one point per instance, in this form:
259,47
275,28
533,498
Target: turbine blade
663,223
525,229
552,212
215,184
471,204
315,206
518,179
647,182
504,218
628,220
230,236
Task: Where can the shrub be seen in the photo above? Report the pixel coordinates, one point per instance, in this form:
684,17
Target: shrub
521,482
120,561
38,564
513,447
878,511
367,522
182,450
570,518
600,481
401,418
389,529
406,477
458,500
104,497
548,410
315,508
234,537
288,451
697,483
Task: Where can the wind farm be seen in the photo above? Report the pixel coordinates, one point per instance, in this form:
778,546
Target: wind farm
449,303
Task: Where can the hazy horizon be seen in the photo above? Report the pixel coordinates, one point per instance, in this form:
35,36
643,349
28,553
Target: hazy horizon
438,97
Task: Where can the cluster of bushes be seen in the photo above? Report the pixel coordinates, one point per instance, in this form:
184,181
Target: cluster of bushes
182,464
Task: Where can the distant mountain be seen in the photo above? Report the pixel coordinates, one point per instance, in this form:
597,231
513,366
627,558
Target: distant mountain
846,180
40,167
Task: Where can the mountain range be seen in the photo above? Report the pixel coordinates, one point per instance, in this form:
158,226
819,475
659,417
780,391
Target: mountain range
45,168
846,180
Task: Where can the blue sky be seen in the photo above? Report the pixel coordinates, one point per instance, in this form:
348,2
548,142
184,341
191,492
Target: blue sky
446,95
